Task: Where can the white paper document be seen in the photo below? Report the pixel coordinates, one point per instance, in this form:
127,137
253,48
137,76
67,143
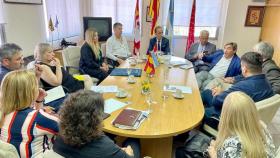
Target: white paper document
172,88
54,94
177,61
105,89
112,105
188,66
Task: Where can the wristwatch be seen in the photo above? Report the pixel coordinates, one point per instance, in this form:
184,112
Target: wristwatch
38,101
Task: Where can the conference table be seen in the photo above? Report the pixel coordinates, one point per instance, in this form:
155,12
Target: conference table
169,117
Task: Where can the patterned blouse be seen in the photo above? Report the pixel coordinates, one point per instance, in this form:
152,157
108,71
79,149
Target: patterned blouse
232,147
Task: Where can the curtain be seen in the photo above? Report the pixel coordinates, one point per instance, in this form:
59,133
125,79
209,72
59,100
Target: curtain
69,18
207,16
120,10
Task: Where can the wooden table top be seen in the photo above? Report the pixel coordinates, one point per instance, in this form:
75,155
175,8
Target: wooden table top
169,117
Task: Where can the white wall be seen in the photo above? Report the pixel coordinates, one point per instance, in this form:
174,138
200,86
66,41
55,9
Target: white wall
234,29
26,27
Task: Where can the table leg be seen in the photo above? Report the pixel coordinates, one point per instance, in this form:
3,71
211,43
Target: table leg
157,148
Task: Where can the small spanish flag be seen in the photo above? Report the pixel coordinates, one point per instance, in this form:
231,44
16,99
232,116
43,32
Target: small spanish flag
51,28
149,67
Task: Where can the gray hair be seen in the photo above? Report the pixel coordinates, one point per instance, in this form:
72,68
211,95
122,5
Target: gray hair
265,49
8,50
204,33
40,50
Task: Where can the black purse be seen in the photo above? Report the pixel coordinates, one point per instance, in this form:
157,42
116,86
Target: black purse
195,147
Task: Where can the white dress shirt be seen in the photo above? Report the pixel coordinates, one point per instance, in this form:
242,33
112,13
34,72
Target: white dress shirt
220,69
117,48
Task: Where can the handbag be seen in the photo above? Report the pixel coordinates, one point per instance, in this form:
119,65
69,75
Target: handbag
195,147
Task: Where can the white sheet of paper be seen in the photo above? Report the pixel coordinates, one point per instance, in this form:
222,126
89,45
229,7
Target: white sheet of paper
188,66
184,89
176,61
54,93
105,89
112,105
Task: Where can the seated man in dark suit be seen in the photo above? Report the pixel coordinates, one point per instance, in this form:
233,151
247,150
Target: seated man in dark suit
198,48
254,84
222,63
269,68
161,43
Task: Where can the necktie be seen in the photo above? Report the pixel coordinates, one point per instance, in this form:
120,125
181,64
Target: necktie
158,46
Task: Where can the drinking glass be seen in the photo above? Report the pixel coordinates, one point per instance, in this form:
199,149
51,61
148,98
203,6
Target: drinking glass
167,59
129,71
166,83
149,101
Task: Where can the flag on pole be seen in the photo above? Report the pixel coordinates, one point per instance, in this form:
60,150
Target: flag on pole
56,22
137,37
170,19
191,27
154,13
149,67
51,28
169,23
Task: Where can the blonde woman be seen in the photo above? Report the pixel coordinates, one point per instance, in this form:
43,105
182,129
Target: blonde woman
91,61
26,126
241,134
53,74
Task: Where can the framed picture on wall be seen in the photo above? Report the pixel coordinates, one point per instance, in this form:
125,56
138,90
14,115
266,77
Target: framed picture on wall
37,2
148,18
254,16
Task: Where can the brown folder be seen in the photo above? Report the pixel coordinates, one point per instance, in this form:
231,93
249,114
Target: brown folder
127,117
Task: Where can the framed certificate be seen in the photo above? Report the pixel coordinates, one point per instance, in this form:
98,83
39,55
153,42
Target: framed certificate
254,16
37,2
148,18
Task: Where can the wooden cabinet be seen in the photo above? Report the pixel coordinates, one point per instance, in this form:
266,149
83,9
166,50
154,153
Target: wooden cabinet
273,2
271,27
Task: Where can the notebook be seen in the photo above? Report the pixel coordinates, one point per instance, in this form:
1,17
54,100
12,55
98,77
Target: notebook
54,94
129,119
123,72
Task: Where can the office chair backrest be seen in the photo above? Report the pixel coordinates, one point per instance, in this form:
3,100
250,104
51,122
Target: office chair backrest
267,108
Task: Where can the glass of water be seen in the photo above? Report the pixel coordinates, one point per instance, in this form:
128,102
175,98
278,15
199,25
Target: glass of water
166,83
129,71
149,101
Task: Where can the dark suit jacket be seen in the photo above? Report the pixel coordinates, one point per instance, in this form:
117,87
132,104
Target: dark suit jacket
88,62
272,73
257,87
234,67
164,45
193,50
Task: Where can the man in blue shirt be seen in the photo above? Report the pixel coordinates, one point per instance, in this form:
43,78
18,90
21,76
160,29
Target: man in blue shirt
11,59
254,84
